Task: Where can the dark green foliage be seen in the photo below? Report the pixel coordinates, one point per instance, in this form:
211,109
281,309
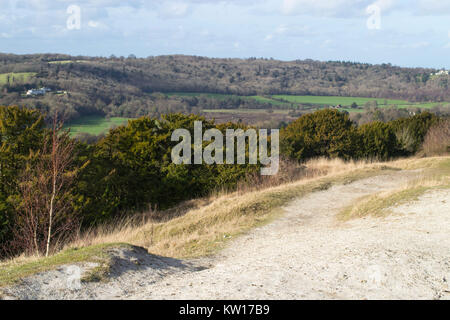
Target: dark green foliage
131,168
21,132
377,141
412,131
328,133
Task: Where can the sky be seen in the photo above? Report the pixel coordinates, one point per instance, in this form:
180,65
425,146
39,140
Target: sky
410,33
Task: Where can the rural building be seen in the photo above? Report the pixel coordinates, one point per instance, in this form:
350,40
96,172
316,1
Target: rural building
38,92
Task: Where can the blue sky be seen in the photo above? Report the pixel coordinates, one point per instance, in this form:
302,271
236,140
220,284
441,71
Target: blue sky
401,32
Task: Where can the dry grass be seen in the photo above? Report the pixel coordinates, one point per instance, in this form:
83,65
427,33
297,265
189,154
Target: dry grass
291,171
436,175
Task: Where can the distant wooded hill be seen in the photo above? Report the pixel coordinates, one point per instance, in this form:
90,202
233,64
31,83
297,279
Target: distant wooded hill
131,87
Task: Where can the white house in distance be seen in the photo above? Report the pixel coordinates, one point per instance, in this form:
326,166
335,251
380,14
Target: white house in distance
441,73
38,92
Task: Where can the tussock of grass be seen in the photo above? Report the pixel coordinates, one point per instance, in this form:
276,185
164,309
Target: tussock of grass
98,274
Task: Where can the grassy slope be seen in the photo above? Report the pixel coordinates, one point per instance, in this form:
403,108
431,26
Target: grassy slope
94,125
18,77
207,228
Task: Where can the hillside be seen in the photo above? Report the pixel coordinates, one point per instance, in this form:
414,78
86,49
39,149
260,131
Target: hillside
131,87
304,245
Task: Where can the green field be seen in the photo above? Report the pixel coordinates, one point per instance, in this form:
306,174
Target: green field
220,96
333,100
348,101
290,101
272,101
245,111
15,77
94,125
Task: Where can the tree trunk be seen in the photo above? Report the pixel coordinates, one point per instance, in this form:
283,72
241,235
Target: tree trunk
50,217
55,168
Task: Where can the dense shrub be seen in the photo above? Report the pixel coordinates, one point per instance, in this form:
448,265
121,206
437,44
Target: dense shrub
131,168
21,132
330,133
377,141
327,133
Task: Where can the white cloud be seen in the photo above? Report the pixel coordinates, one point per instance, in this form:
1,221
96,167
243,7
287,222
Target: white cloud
433,7
174,9
327,43
384,5
325,7
278,31
289,31
422,44
96,24
333,8
411,45
93,24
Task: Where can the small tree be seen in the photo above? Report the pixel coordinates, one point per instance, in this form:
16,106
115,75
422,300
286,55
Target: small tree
44,213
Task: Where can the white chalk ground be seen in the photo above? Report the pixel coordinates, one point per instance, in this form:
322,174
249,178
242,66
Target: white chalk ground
306,254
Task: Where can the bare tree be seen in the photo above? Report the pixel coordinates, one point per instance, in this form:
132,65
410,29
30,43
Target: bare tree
44,214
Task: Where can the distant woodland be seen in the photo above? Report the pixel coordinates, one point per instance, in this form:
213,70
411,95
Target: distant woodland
132,87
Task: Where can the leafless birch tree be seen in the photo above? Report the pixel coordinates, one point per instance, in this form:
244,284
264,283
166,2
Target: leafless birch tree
44,216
